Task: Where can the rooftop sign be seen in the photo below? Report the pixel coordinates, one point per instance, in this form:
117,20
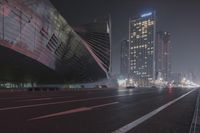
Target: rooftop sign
146,14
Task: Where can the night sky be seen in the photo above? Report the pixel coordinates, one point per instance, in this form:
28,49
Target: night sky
180,17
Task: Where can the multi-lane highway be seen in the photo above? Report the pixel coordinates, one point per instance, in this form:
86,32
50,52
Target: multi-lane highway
104,111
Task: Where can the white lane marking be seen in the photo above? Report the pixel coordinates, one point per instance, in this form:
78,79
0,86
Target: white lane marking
135,123
72,111
70,101
54,103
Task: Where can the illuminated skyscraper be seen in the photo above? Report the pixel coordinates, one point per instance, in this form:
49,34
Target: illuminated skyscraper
163,55
142,31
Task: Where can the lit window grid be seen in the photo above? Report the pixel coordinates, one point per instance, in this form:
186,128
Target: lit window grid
140,31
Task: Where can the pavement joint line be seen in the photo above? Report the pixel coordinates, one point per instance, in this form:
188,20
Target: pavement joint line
21,98
41,99
34,99
142,119
61,102
15,98
72,111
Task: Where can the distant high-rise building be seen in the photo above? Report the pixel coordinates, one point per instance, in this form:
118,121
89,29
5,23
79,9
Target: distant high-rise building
142,32
163,55
124,58
176,77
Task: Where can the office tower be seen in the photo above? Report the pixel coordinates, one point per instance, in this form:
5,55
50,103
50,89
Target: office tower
142,31
163,55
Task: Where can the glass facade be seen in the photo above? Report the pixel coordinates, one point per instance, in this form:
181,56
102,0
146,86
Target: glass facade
142,48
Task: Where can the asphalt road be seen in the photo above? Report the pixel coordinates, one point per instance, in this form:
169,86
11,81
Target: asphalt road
105,111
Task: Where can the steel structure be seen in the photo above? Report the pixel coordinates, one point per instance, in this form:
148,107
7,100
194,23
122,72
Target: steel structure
38,45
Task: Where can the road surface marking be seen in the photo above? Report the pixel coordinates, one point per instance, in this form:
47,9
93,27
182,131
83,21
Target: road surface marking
72,111
70,101
61,102
142,119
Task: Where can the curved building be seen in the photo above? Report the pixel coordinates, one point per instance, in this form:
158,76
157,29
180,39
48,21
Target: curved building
37,45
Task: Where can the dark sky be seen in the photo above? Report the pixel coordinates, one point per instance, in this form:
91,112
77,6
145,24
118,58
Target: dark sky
180,17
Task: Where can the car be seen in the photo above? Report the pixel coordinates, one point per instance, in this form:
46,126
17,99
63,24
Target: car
130,87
